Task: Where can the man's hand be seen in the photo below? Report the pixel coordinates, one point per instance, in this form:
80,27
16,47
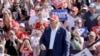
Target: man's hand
42,47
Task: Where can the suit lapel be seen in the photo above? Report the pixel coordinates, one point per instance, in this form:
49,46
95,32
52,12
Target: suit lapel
49,35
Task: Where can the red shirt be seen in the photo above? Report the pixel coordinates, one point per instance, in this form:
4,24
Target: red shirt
96,29
26,49
21,35
40,25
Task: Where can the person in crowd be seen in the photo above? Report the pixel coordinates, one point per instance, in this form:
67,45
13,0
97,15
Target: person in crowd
33,18
9,22
50,42
90,17
18,13
65,6
35,38
72,16
40,24
26,49
77,3
97,4
2,49
68,32
21,33
97,51
38,5
7,4
96,28
83,10
28,4
46,9
32,21
91,39
2,32
12,44
76,39
79,24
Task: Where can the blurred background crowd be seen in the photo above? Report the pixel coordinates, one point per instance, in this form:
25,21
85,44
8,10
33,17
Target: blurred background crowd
22,23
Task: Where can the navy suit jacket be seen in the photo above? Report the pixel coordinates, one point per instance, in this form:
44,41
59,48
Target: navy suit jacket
61,42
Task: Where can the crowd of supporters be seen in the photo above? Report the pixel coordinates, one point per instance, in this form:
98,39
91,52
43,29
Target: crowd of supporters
22,23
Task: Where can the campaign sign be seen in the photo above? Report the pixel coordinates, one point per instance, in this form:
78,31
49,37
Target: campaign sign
84,52
61,13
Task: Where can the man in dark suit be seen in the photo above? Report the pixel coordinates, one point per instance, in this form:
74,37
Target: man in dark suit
53,41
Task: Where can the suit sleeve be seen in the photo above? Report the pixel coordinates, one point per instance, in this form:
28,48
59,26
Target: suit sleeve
66,44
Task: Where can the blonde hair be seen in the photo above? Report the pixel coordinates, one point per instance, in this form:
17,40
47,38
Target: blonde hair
92,33
98,18
1,48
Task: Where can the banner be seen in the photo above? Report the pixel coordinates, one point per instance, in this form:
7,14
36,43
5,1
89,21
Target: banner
84,52
61,13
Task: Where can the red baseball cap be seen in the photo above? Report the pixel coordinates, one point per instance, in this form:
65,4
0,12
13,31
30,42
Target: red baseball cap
54,18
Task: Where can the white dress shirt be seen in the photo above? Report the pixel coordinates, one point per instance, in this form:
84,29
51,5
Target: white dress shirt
52,37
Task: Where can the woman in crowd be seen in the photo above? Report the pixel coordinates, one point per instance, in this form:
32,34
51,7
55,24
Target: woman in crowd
12,44
79,24
35,38
76,40
26,49
9,22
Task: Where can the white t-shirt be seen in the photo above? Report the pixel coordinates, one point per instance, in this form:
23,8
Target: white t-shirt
71,21
7,6
35,41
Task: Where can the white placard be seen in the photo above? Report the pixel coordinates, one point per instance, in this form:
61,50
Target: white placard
84,52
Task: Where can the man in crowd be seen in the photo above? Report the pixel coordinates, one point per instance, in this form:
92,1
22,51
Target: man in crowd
54,40
90,17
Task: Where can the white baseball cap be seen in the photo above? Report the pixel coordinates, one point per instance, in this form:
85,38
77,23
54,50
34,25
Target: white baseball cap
22,25
92,5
